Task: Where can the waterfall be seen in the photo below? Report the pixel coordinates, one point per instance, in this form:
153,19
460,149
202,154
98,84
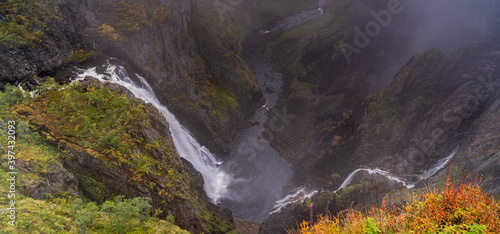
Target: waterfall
377,171
216,180
298,197
300,194
439,165
434,169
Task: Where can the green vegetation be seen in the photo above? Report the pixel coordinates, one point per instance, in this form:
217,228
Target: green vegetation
332,28
335,176
81,56
455,209
64,214
96,118
61,122
220,86
71,215
27,20
215,224
128,16
380,121
11,96
301,88
103,124
223,101
249,17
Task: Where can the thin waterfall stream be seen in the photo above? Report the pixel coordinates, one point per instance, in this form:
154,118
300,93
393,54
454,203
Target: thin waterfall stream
301,194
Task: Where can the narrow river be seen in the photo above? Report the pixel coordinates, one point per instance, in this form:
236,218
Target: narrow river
258,174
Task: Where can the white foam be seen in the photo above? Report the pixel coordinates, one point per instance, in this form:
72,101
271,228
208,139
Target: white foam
439,165
377,171
297,197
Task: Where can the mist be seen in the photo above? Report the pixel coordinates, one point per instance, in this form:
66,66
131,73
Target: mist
446,24
415,26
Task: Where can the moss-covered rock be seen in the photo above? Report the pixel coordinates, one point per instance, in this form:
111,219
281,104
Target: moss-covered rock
107,143
192,59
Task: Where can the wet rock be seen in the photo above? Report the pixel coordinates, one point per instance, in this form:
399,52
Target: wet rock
435,103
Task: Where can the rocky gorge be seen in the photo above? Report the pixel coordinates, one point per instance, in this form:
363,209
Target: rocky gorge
295,111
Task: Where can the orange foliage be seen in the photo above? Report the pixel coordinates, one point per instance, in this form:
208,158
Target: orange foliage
456,209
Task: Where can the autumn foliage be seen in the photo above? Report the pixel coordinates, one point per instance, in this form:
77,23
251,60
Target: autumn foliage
26,21
455,209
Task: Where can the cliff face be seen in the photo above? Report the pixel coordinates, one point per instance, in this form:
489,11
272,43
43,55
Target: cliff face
191,58
437,103
97,141
329,96
43,39
338,54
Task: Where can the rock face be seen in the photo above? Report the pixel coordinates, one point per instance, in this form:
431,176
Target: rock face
423,114
56,181
191,58
436,103
22,61
342,127
134,160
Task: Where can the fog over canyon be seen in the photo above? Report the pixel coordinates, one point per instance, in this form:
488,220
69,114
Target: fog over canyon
243,116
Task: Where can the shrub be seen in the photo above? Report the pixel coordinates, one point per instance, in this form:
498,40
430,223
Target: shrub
67,107
27,20
456,209
12,95
81,56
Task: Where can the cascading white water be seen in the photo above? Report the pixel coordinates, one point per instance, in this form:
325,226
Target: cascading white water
216,180
377,171
300,195
439,165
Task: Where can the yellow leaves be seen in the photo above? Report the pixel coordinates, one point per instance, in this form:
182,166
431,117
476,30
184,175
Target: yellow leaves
137,176
336,140
22,110
109,33
456,208
166,194
161,13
